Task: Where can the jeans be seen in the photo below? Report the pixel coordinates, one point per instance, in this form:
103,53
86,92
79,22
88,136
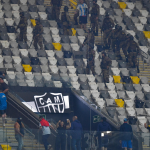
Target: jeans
45,142
60,143
76,144
19,138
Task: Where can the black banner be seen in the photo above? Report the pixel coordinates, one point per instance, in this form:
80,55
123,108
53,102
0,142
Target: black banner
46,100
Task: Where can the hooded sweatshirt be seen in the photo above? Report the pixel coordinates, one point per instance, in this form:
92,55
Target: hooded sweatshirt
76,128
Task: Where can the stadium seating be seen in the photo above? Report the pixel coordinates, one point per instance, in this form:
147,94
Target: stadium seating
127,94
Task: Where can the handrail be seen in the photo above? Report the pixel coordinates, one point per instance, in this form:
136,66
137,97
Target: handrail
24,110
22,113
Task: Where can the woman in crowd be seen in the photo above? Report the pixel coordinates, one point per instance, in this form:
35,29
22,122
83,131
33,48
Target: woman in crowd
61,137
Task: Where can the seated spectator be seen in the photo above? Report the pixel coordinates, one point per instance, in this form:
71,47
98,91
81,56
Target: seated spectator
103,126
4,86
3,107
61,137
126,132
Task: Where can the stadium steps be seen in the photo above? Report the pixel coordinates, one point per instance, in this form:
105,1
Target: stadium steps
29,141
143,73
71,14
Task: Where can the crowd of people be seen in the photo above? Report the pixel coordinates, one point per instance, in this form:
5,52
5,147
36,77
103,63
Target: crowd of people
75,134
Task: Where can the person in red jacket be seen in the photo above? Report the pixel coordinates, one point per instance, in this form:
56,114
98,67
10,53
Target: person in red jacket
45,127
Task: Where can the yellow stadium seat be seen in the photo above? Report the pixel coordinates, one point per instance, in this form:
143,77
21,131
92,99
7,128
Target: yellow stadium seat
27,68
147,34
119,102
73,4
135,79
73,32
57,46
122,5
33,22
5,147
117,79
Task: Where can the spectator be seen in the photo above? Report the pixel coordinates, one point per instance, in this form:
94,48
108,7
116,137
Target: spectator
44,125
126,135
3,107
61,137
76,133
19,132
103,126
4,86
82,8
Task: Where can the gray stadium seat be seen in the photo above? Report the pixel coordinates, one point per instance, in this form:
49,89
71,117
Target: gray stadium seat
59,54
111,111
13,44
41,8
41,53
106,4
47,39
6,7
26,60
140,95
84,85
48,46
135,19
80,70
14,1
147,104
121,94
140,35
44,23
104,94
101,86
61,62
133,72
124,72
136,13
99,79
139,111
137,87
62,69
66,47
36,68
111,55
65,39
114,5
18,67
33,15
6,52
121,111
86,93
3,36
19,76
128,87
34,60
22,45
80,32
73,39
147,27
31,2
8,14
39,2
69,61
24,8
44,68
143,42
119,86
144,80
15,52
118,19
110,102
43,60
122,64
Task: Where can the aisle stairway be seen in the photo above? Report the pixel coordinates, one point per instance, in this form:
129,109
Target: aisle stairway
30,143
98,39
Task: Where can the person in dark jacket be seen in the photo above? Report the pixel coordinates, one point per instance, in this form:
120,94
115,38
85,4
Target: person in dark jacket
126,132
76,133
103,126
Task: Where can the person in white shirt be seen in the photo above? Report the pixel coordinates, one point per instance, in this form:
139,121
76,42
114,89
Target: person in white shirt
82,9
